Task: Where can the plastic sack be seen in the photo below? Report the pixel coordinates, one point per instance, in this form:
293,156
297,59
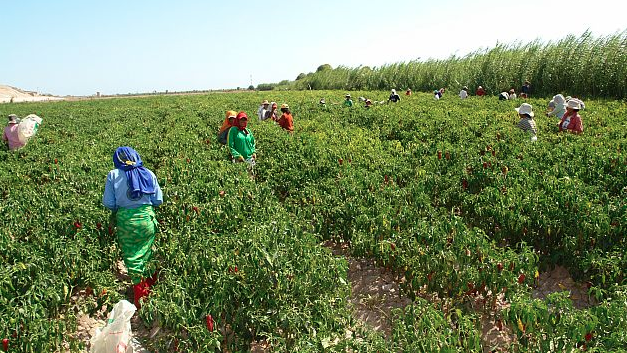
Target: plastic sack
116,336
28,127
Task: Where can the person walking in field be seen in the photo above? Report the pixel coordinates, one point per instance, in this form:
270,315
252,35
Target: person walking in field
263,108
242,142
286,121
571,121
480,92
10,135
463,94
229,121
394,97
348,102
131,193
526,122
558,108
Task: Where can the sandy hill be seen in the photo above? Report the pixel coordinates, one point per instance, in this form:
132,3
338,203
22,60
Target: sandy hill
18,95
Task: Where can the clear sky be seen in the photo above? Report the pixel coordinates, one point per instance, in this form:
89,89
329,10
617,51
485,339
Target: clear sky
71,47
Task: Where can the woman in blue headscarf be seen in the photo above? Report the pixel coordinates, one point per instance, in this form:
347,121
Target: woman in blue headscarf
131,192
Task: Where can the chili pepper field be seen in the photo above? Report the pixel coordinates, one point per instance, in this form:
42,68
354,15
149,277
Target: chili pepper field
449,194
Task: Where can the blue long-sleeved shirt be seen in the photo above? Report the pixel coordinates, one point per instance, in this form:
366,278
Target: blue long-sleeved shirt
116,192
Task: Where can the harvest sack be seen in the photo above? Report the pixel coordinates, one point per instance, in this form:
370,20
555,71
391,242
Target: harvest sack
28,127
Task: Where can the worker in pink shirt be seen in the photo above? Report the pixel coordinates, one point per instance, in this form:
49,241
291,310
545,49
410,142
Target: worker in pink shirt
10,134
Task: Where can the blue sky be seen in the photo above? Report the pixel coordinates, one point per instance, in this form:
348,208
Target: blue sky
81,47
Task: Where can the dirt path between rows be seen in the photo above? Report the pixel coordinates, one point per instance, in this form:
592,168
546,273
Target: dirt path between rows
375,292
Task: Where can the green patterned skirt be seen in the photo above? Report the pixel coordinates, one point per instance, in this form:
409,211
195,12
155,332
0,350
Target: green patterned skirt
136,234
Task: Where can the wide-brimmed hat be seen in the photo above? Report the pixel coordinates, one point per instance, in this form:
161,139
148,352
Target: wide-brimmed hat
368,101
12,119
241,115
393,91
465,88
559,99
273,104
285,106
525,108
512,90
574,104
265,101
347,96
322,101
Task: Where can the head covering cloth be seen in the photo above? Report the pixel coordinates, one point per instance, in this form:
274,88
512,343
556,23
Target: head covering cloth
138,177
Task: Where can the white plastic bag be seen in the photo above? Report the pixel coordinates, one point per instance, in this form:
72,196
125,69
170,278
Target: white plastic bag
115,337
28,127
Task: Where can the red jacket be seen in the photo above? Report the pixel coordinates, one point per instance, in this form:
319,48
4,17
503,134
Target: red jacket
574,123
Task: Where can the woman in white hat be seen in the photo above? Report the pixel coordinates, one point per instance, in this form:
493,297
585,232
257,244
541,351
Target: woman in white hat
394,97
348,102
526,123
571,121
463,94
559,107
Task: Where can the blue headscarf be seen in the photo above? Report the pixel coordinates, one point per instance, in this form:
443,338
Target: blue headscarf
138,177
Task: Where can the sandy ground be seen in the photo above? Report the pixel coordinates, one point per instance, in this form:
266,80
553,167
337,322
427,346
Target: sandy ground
7,93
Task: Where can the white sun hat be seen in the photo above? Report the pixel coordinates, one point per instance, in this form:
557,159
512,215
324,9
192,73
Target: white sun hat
525,108
574,104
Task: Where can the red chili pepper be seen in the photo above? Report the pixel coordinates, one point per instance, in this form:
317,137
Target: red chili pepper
340,161
99,226
588,336
196,209
56,161
499,266
439,154
5,344
78,225
521,278
209,323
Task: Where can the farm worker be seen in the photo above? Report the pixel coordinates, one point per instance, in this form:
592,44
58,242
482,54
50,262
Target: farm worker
480,91
241,141
394,97
131,193
559,106
272,113
286,121
571,121
323,102
525,90
263,108
526,123
408,92
368,104
512,94
10,134
503,96
348,102
463,94
436,94
229,121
